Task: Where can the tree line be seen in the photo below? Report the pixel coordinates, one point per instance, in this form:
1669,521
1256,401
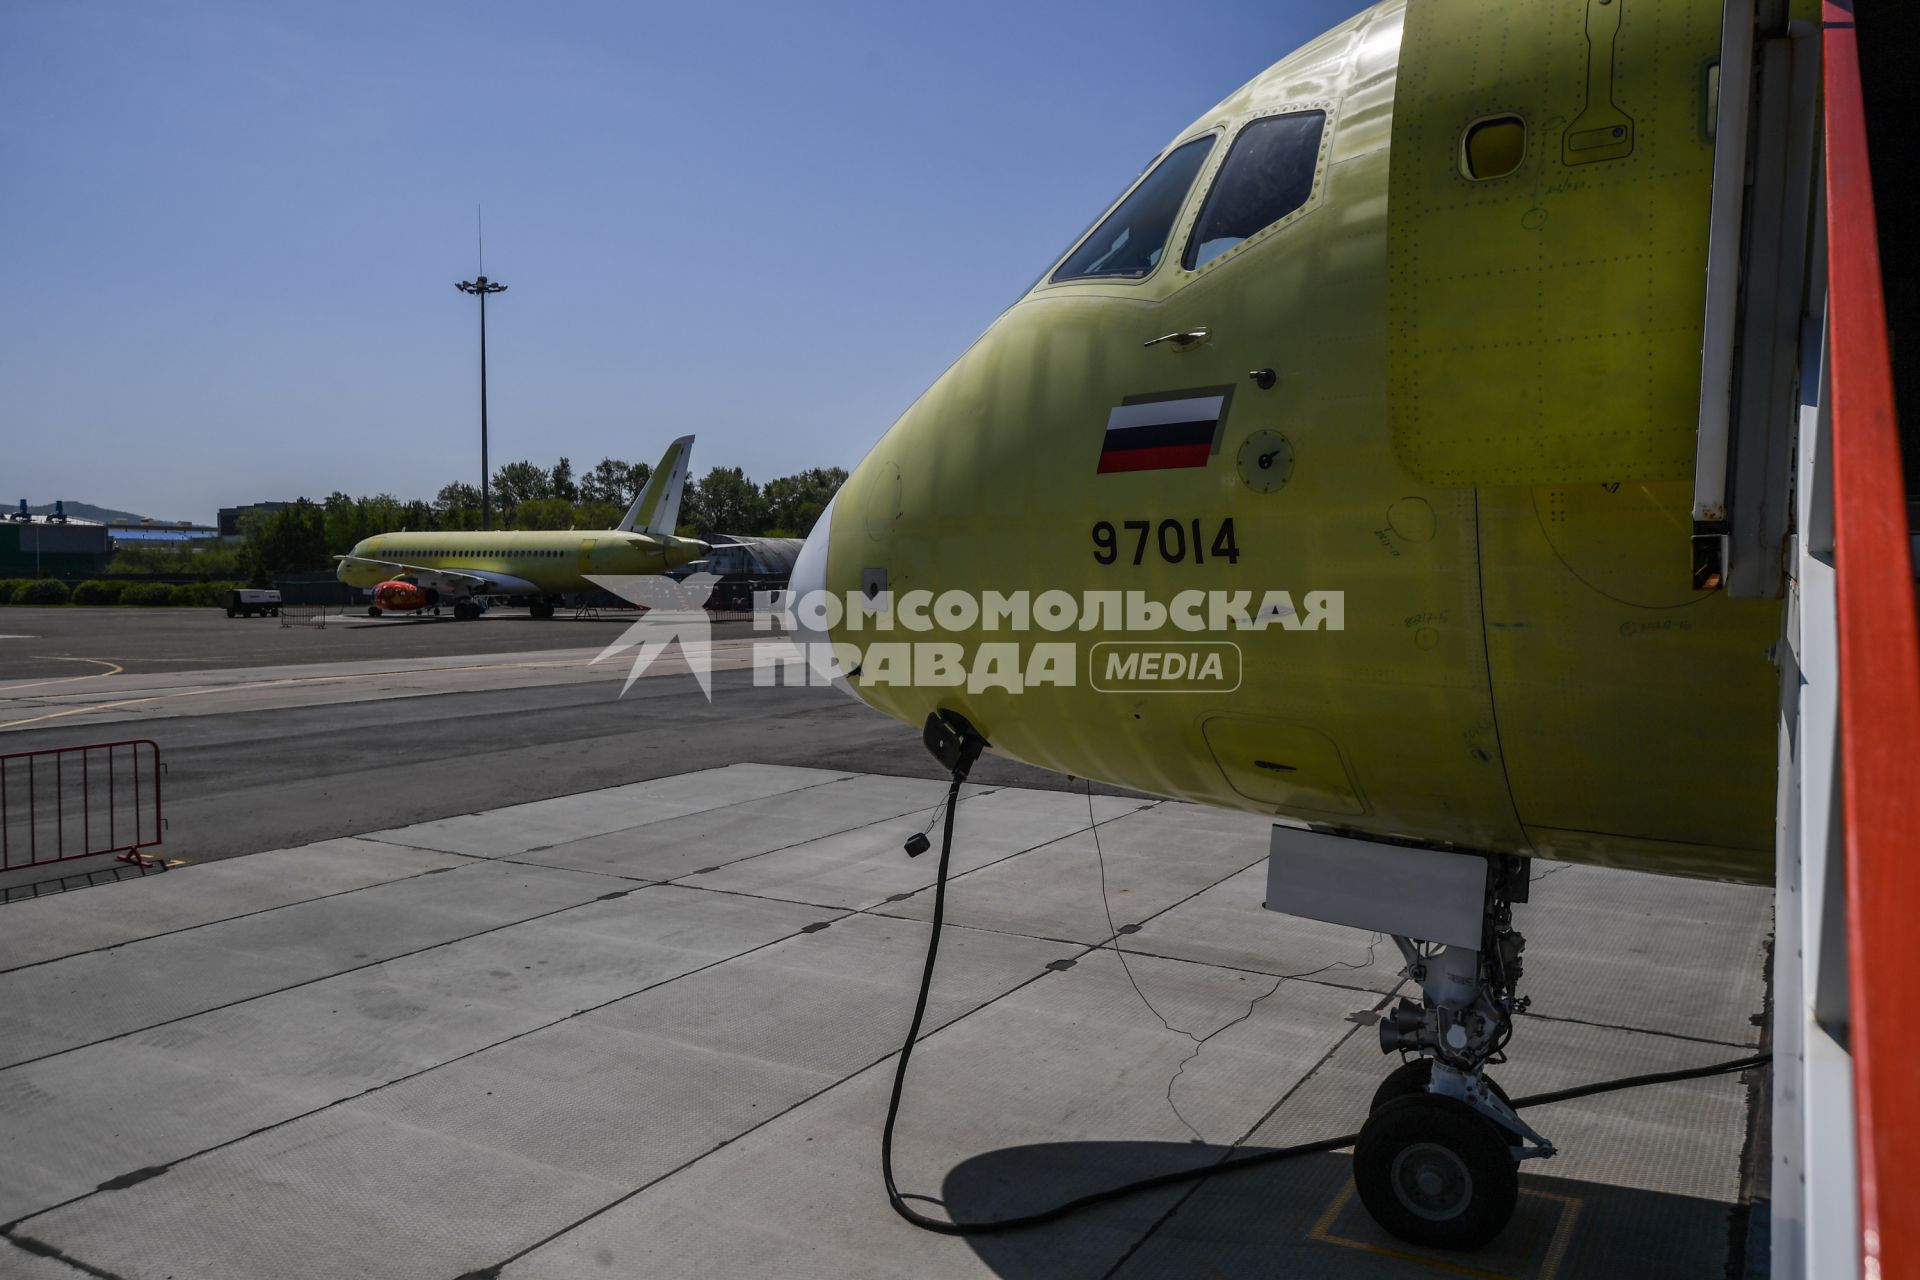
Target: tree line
306,535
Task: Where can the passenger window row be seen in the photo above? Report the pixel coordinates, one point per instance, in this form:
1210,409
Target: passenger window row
443,555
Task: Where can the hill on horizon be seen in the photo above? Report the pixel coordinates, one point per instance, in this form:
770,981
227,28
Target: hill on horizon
84,511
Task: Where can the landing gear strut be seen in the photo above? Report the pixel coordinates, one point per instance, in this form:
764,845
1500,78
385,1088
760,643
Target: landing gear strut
1437,1157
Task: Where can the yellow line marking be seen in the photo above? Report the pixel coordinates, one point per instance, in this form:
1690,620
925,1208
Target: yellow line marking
1562,1235
1556,1251
1323,1228
91,675
73,711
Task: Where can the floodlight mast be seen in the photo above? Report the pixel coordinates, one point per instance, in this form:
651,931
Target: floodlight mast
481,287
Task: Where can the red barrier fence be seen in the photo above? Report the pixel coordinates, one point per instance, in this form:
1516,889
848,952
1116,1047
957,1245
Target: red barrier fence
1879,685
79,802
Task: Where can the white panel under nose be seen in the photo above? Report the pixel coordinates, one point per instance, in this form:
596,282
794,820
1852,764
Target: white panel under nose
809,578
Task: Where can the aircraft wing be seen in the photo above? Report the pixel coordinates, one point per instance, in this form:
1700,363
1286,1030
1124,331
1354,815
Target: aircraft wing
474,581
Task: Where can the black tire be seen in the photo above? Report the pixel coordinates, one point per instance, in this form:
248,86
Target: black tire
373,611
229,613
1435,1173
1411,1077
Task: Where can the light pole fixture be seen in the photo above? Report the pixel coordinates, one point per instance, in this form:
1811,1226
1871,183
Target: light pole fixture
482,286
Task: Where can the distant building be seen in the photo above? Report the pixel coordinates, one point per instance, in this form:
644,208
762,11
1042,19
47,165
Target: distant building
36,548
145,533
229,522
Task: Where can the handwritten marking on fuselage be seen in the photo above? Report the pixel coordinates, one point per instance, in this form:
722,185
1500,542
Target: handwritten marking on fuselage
1631,629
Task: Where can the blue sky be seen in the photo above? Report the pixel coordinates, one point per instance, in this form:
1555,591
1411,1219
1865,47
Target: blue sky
232,229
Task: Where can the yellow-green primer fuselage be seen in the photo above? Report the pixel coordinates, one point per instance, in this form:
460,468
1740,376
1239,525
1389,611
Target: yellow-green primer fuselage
554,562
1489,390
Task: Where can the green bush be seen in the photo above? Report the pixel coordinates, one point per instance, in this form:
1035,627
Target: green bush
41,591
147,593
8,586
98,591
202,593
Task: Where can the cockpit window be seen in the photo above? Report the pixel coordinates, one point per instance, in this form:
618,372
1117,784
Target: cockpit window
1267,174
1129,241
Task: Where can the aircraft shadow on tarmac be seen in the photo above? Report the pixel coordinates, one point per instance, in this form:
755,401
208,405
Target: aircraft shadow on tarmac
1301,1218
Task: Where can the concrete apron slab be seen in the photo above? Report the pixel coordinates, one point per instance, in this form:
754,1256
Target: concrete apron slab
462,1167
26,1266
42,929
1645,1184
542,824
1145,861
865,867
690,1078
73,1121
1072,1058
707,840
86,998
1601,946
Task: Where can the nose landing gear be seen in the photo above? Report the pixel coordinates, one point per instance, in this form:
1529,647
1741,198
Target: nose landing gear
1436,1161
1437,1158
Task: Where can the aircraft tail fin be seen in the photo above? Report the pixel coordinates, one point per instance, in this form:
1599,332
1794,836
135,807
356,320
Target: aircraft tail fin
657,509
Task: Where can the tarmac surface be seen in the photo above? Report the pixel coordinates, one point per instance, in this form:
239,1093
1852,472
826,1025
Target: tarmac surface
523,979
276,735
43,643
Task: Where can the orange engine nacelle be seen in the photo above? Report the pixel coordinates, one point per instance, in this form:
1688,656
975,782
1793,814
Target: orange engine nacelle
399,597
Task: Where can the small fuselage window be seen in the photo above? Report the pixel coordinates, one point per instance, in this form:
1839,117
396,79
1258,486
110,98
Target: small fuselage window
1268,173
1129,241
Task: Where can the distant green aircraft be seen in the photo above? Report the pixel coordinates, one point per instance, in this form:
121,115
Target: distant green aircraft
428,570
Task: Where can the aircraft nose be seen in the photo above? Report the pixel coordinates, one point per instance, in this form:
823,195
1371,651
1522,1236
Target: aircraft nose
808,578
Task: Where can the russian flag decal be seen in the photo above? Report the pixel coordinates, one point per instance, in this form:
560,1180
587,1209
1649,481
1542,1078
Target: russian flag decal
1165,432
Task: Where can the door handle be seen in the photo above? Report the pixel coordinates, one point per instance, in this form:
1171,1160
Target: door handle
1181,338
